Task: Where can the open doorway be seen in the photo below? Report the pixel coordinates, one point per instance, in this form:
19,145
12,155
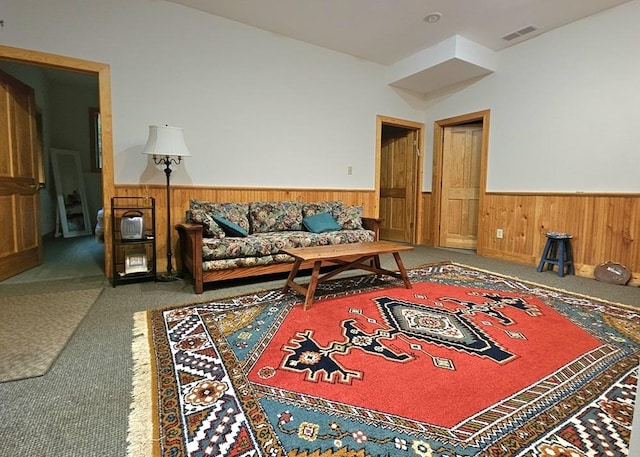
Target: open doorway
102,183
399,167
70,190
459,179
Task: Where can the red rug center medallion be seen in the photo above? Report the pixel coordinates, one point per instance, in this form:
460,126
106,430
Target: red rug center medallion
437,354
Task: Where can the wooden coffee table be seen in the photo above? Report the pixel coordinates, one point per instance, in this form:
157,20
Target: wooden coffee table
350,257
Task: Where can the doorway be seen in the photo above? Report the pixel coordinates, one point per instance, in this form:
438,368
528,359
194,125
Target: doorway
459,180
399,167
102,72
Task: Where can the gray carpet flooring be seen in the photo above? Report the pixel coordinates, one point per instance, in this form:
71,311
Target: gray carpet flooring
65,258
81,406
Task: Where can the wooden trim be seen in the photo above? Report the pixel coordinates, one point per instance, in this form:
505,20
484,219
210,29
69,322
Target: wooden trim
377,166
108,187
103,72
436,189
400,122
49,60
564,194
255,189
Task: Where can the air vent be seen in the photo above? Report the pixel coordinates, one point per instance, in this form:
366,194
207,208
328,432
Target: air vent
519,33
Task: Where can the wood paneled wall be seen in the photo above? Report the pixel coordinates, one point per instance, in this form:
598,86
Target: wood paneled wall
180,196
604,227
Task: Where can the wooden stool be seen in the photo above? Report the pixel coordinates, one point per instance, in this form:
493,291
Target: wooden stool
557,251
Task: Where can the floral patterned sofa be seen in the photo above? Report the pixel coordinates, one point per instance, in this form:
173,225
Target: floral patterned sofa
221,241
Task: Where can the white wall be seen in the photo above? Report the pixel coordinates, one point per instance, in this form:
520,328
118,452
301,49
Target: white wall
565,109
257,109
262,110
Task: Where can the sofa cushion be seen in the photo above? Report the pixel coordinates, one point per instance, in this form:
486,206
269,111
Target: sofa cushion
263,244
331,207
321,222
350,217
228,264
275,216
229,227
202,212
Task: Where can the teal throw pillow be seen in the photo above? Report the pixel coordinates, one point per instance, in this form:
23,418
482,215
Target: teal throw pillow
321,222
229,227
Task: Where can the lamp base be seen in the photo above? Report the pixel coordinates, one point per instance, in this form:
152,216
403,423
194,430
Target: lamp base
168,276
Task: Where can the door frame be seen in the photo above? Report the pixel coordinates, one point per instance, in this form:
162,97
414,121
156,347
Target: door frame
438,150
103,72
410,125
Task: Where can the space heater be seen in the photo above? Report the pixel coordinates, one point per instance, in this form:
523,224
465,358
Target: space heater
132,225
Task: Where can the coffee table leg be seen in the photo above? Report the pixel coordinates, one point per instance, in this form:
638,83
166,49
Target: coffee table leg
376,261
403,272
311,289
292,275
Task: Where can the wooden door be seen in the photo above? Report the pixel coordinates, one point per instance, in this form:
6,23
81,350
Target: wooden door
461,170
398,181
20,241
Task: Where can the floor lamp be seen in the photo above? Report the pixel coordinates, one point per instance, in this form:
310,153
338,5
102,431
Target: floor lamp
166,145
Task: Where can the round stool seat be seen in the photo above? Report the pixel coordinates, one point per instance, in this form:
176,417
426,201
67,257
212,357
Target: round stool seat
558,235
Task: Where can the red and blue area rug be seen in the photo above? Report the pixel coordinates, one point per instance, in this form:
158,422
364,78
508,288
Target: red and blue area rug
466,363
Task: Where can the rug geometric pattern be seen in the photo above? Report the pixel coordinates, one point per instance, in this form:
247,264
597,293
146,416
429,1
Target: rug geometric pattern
234,377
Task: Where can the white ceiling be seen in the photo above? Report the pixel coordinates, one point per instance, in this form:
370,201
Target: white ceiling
386,31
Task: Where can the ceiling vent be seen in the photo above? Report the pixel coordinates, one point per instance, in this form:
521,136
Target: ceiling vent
519,33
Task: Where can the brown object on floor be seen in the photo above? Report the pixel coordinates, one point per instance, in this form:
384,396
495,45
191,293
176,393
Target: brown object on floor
349,257
612,273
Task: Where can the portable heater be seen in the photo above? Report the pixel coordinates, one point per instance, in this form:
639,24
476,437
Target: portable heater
132,225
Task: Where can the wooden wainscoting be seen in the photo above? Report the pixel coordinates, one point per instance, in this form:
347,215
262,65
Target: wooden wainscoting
604,227
180,196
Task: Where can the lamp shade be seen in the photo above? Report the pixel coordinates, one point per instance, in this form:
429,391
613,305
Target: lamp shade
166,141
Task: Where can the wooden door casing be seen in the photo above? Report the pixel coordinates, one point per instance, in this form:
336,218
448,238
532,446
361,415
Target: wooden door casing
461,176
20,240
103,73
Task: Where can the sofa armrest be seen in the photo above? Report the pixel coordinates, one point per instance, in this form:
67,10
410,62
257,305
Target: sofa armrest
191,252
189,228
372,223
